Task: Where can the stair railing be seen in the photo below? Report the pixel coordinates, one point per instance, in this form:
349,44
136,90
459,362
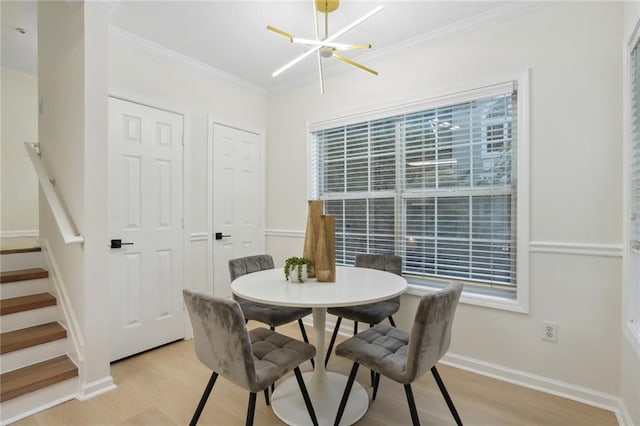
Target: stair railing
64,221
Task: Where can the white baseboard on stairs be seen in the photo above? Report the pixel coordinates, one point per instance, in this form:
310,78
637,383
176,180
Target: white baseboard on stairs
17,359
24,288
40,400
559,388
15,261
28,319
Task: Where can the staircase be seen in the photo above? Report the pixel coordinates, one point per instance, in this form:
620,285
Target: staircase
35,372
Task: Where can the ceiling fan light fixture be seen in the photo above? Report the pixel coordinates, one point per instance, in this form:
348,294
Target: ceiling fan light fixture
326,6
326,47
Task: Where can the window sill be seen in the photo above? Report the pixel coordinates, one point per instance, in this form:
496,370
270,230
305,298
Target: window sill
499,300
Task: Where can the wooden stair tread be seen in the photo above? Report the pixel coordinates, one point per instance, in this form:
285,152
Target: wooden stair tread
20,250
26,303
36,376
31,336
23,275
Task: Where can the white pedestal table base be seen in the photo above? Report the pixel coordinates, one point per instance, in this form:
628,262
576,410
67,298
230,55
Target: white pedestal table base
325,391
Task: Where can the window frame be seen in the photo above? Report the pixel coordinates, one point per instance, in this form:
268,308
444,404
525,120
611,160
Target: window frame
631,254
492,298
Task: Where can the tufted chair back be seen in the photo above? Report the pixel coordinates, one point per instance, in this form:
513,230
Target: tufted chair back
431,331
221,338
246,265
383,262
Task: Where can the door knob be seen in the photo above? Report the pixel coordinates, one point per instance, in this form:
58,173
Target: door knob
118,244
219,236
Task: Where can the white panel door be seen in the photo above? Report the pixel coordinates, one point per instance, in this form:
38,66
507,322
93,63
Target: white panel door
145,213
237,201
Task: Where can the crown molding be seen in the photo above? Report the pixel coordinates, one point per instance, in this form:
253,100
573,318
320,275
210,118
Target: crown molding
464,26
116,33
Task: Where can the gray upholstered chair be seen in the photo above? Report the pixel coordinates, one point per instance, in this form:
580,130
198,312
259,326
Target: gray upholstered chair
372,313
405,357
252,359
271,315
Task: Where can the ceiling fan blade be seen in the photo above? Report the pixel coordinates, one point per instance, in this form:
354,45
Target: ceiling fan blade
315,20
351,46
327,40
324,43
354,24
294,61
354,64
280,32
321,73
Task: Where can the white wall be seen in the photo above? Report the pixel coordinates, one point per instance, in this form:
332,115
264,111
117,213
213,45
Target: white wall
159,78
19,188
72,135
573,52
630,363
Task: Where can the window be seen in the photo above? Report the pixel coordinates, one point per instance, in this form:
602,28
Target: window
436,185
631,295
635,147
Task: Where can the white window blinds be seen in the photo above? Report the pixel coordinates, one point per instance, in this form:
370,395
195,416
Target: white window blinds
635,147
436,186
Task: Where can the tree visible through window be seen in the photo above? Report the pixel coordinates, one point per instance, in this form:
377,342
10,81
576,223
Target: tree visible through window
437,187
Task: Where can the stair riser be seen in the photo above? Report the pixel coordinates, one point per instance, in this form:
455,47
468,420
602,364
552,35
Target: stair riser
18,359
15,261
24,288
28,318
34,402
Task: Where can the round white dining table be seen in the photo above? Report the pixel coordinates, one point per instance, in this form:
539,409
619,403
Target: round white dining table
353,286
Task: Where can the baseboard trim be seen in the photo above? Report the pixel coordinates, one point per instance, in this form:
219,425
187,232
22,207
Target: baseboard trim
543,384
576,393
95,388
23,233
35,402
37,410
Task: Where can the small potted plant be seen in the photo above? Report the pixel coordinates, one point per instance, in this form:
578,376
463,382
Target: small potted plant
297,267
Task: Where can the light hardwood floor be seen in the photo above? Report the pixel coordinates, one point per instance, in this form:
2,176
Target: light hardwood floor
163,386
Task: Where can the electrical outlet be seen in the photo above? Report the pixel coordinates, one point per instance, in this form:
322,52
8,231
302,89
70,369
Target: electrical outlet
550,331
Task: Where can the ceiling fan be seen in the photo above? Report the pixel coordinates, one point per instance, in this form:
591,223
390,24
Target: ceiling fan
326,47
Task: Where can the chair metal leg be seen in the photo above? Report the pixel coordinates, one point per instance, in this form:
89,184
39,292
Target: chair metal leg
355,328
375,386
446,396
412,405
251,409
203,399
272,328
266,396
347,391
305,396
371,372
333,341
391,321
305,338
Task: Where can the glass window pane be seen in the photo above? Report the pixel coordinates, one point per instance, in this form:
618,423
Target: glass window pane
456,167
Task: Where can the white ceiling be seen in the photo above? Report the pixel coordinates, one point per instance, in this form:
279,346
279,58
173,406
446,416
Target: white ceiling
231,36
